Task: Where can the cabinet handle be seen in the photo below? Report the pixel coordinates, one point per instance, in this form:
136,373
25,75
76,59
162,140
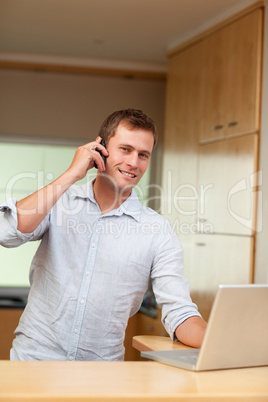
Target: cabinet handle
218,127
200,244
232,123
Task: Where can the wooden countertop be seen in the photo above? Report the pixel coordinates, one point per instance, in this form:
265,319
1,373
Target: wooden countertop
123,381
150,342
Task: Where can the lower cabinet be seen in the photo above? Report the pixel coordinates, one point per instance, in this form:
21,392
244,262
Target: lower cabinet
142,324
214,260
9,319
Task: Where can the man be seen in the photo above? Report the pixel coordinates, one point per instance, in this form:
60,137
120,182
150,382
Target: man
85,284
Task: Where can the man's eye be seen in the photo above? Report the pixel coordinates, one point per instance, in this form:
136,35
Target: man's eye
144,156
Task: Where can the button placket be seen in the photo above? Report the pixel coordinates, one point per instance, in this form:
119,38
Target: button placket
83,294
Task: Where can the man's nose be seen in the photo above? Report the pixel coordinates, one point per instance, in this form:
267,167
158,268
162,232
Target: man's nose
133,159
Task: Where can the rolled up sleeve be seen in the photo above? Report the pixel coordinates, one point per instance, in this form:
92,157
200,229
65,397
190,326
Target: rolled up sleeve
10,236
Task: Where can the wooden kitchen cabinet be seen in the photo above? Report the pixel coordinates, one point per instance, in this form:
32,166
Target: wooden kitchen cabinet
181,140
142,324
210,152
212,85
226,174
231,78
218,259
9,319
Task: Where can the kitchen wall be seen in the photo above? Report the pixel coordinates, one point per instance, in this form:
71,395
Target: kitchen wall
70,105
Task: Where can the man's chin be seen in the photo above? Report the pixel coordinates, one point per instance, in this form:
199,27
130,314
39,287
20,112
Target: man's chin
120,184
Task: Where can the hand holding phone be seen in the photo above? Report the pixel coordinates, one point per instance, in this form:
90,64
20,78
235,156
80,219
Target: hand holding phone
103,156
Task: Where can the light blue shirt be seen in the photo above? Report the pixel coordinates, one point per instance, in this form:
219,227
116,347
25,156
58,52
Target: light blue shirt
90,273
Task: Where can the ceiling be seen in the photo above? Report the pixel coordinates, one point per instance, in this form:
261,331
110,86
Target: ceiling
130,30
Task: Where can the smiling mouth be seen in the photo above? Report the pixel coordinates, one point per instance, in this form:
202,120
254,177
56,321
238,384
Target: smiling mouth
127,174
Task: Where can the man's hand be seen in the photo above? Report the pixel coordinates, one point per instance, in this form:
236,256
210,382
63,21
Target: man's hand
191,332
84,159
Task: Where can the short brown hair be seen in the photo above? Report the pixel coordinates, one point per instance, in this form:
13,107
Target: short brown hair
131,118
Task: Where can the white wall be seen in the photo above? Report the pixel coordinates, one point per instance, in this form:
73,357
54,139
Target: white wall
261,268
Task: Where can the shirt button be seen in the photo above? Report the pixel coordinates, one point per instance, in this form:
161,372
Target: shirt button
82,301
76,331
71,358
93,245
87,273
100,219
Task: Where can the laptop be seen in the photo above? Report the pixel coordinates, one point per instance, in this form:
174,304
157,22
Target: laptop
236,335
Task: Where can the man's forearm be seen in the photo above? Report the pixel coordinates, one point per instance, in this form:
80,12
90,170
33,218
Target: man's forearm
34,208
191,332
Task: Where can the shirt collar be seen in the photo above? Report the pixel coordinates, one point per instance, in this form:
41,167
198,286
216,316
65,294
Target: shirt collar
131,206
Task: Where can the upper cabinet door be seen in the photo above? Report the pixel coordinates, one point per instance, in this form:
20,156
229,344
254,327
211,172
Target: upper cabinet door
230,85
179,164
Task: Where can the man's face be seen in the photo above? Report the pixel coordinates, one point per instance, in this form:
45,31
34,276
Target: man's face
129,156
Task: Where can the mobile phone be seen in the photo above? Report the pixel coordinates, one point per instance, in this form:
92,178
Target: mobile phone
103,156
